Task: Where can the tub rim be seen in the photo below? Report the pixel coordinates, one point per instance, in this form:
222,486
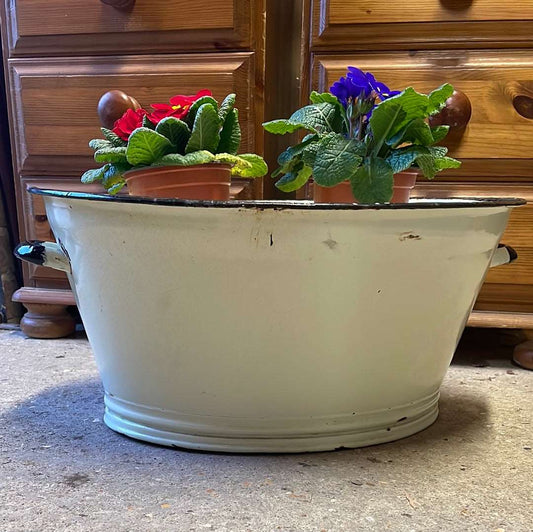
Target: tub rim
459,202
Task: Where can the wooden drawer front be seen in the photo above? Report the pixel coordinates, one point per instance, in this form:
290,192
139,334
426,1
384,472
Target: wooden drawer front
509,287
65,27
411,23
54,101
36,227
497,143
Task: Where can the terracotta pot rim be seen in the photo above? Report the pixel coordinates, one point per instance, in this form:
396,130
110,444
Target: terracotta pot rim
174,168
210,181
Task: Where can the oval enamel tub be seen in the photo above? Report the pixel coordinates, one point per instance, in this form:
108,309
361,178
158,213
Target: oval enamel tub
272,326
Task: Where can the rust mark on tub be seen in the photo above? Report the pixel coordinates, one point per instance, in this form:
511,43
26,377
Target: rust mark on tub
332,244
409,235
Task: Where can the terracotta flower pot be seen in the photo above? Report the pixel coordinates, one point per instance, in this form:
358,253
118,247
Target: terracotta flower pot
199,182
404,182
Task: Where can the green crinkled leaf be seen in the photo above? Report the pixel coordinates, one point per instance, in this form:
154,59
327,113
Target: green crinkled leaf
372,182
195,107
244,165
297,149
415,132
197,157
431,165
442,163
438,97
336,160
100,144
430,160
230,135
113,179
176,131
110,155
94,175
438,151
295,179
116,187
278,171
205,131
283,126
426,163
322,117
439,132
234,160
309,154
228,103
323,97
148,123
146,147
256,166
407,106
172,159
385,122
113,138
413,104
404,158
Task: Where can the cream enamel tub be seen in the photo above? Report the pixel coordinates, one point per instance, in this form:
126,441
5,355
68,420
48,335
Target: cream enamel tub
272,326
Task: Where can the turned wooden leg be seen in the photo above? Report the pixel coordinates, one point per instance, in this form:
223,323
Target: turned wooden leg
47,315
523,352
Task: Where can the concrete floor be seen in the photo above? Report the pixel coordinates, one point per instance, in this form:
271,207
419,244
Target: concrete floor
62,469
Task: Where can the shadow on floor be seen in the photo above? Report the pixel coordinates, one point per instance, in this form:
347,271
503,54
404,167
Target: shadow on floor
68,419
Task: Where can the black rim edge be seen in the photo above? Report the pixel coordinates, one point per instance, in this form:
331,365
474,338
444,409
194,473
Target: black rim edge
425,203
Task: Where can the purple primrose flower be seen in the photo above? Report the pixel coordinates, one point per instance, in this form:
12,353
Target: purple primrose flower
359,85
346,89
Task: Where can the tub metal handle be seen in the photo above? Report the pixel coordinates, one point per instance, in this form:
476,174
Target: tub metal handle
54,255
503,255
50,254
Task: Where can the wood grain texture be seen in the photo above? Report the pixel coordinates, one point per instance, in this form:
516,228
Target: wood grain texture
508,287
66,27
490,79
63,94
508,320
368,12
47,315
430,23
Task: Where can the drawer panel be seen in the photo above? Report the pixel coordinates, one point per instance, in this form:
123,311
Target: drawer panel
65,27
54,101
497,141
36,227
509,287
409,23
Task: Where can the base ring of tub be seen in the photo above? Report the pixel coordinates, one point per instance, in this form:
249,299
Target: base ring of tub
283,435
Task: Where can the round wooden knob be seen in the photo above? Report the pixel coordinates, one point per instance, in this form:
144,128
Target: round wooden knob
119,4
456,114
523,105
112,105
456,5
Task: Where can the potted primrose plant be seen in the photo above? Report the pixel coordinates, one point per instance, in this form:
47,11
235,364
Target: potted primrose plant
362,139
184,149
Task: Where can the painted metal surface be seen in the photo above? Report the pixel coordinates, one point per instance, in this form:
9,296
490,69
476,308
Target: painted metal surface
268,329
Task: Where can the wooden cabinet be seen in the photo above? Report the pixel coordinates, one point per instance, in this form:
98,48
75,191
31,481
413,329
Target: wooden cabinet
60,57
67,27
61,94
414,24
483,48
